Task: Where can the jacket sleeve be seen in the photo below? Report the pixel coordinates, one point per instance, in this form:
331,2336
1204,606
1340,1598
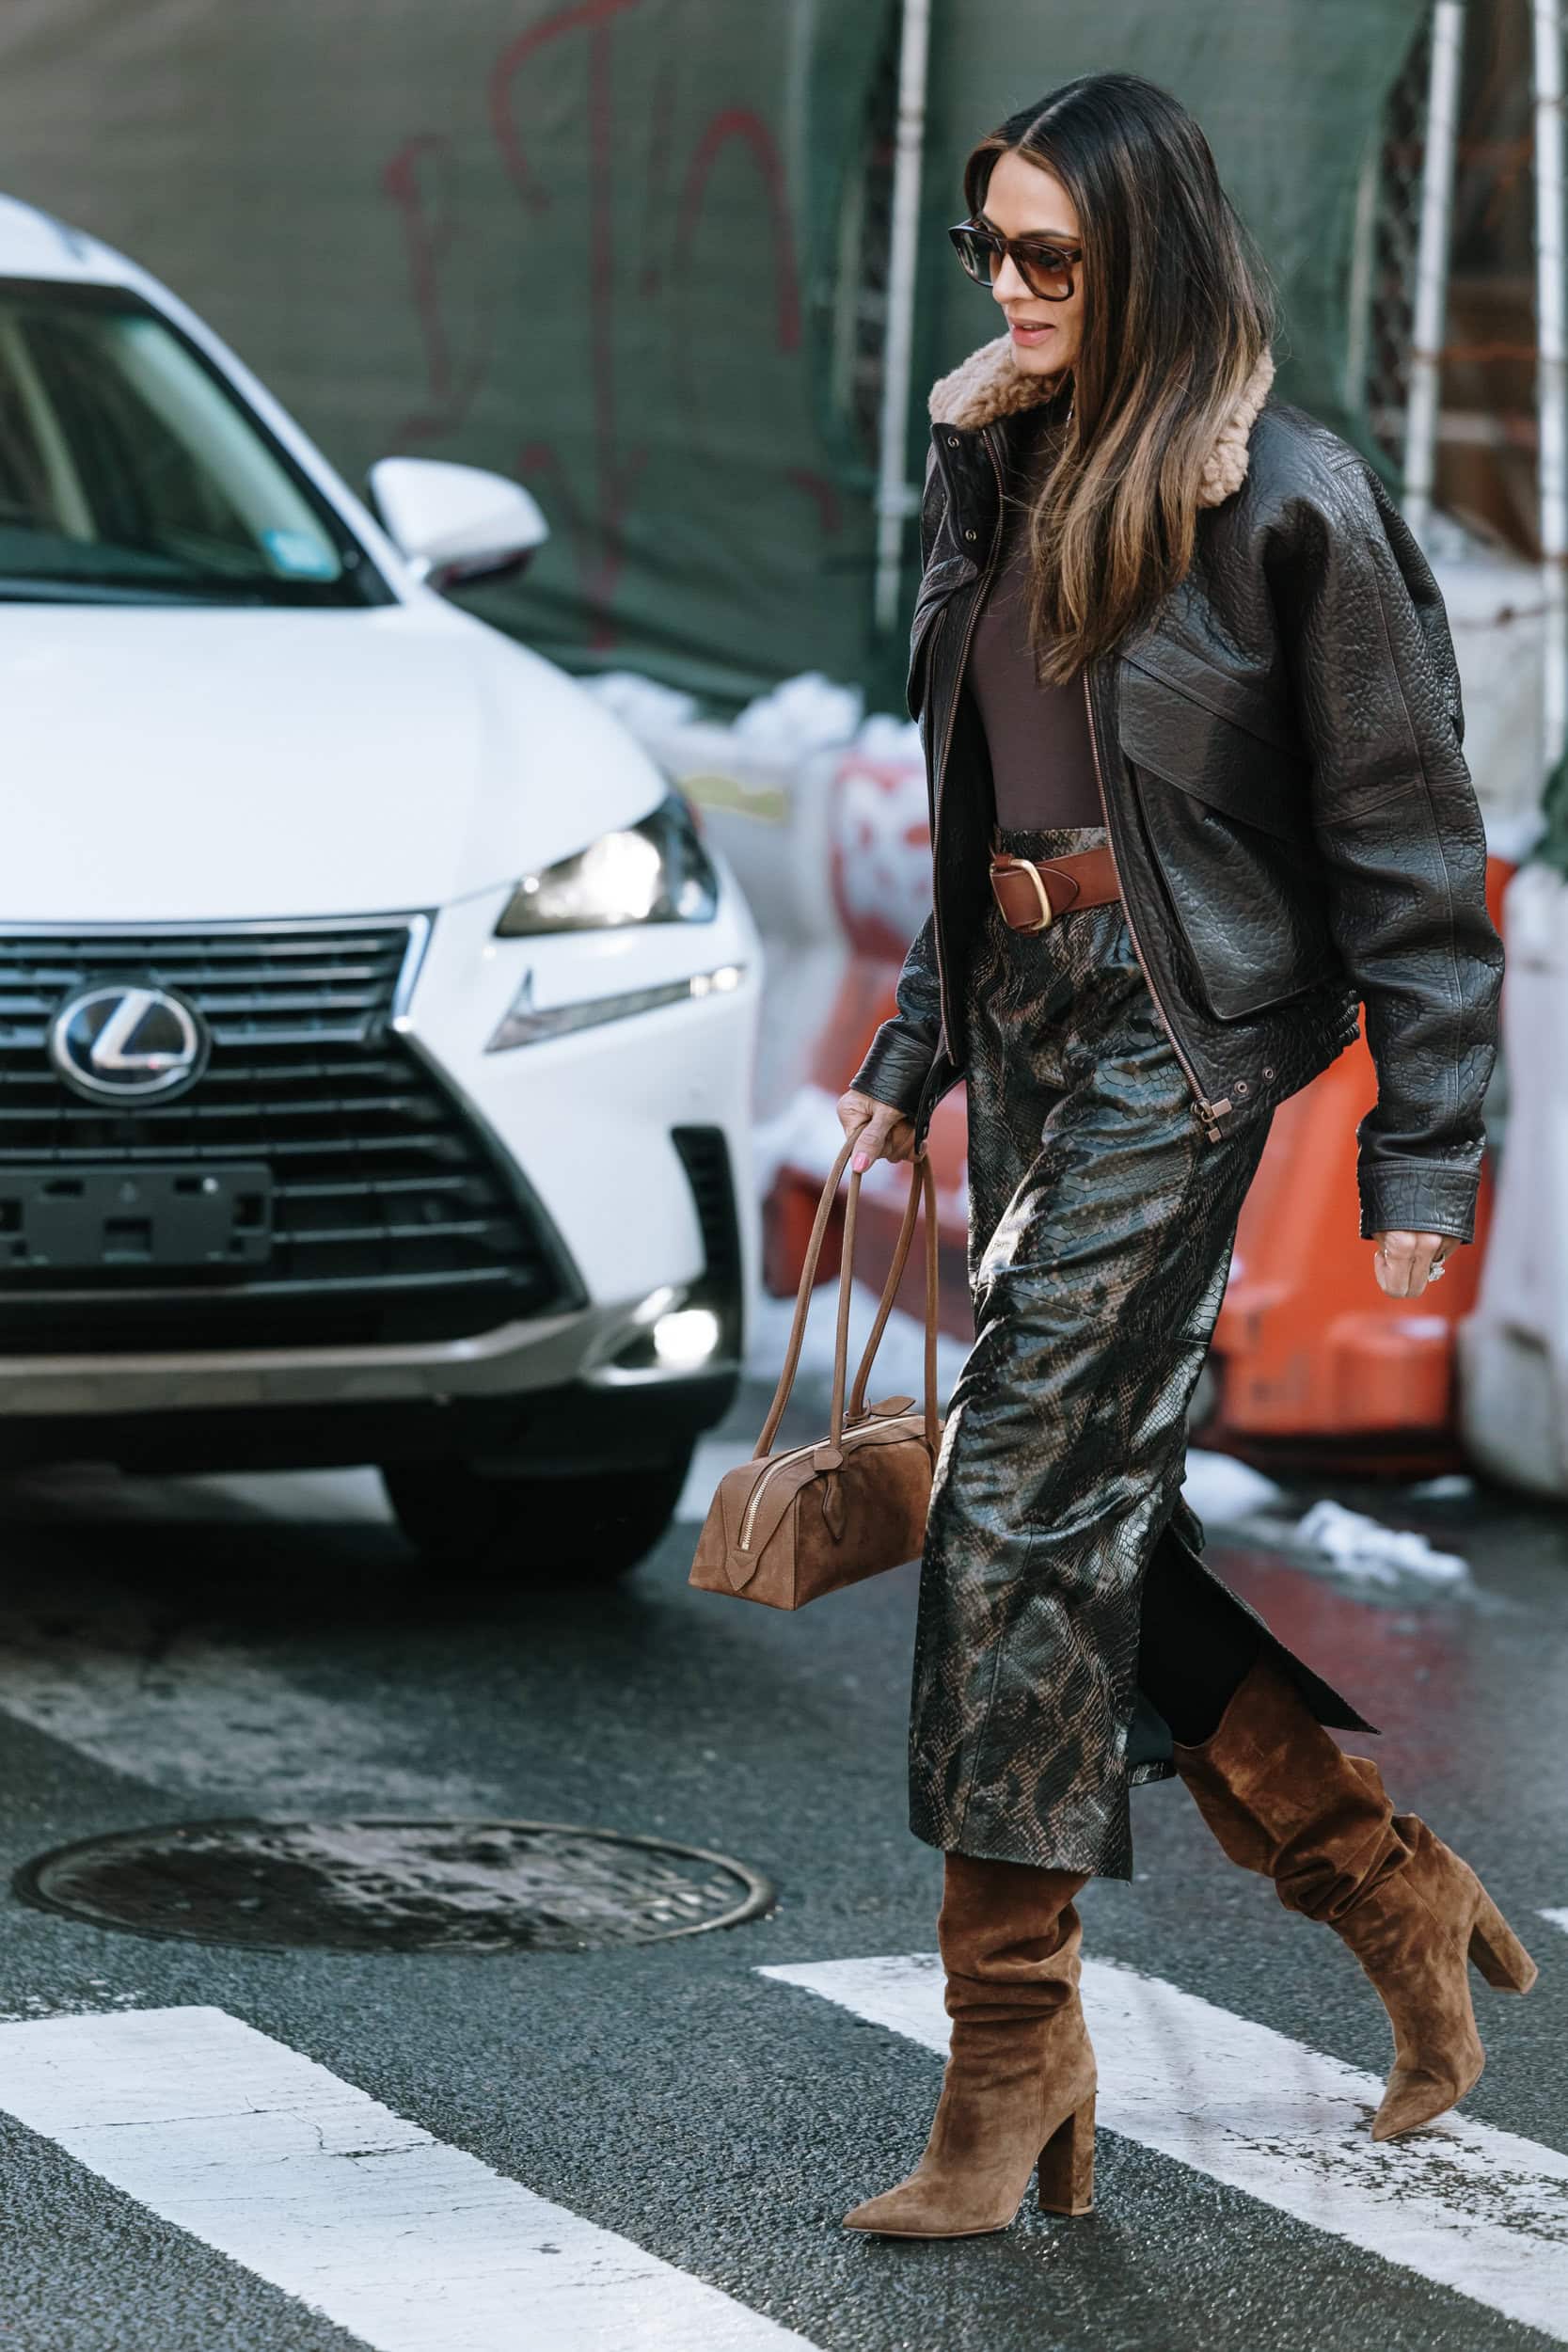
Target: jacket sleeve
1402,842
899,1056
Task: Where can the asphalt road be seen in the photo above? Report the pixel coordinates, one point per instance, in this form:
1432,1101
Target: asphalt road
172,1653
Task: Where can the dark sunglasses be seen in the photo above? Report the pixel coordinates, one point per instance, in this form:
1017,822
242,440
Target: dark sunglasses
1045,269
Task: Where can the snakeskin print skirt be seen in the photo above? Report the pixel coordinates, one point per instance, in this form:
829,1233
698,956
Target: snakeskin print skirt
1100,1229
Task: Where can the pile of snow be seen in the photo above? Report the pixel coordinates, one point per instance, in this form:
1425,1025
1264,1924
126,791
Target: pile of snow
1363,1548
784,729
803,716
640,703
882,738
1221,1490
1453,1486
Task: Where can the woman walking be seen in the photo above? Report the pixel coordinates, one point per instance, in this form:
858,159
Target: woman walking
1193,733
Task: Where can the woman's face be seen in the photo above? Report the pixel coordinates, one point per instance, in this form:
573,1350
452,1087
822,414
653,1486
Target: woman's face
1023,200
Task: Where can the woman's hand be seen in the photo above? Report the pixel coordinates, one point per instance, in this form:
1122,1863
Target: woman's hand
884,1132
1403,1262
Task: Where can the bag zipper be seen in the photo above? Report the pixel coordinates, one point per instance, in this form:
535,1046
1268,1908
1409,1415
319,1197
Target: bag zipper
749,1514
1208,1114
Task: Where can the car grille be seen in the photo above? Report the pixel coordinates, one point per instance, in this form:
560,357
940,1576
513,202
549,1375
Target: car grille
396,1218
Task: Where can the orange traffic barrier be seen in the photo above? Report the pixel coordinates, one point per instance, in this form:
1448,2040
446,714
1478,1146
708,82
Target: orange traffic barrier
1314,1364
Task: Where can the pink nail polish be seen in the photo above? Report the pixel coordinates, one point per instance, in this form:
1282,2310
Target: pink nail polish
858,1160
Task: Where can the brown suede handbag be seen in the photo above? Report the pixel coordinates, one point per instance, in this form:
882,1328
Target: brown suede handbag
784,1528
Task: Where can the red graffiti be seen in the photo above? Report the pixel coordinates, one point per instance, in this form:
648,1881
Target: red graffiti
738,124
591,15
823,494
430,231
419,181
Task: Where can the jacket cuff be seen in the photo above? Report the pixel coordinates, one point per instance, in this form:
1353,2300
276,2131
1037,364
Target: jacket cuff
1412,1199
895,1068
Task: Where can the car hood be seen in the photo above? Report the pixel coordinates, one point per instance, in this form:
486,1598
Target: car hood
199,766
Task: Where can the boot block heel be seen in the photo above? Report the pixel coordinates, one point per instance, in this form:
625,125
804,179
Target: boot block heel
1497,1952
1067,2164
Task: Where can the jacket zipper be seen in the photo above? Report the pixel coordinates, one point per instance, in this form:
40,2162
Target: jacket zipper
941,770
1209,1114
749,1514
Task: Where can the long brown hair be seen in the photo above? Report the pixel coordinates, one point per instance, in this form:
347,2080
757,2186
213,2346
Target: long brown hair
1177,310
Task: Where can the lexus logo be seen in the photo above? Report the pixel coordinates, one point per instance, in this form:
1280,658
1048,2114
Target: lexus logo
124,1043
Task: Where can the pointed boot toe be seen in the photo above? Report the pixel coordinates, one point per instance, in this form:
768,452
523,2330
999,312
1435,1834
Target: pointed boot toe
922,2208
1416,2095
889,2213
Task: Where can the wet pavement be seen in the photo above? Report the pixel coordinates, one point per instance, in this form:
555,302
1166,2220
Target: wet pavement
661,2136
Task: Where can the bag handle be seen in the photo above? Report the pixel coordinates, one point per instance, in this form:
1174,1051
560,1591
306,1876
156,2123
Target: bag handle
922,1187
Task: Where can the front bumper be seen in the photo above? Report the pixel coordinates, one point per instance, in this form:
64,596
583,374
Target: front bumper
576,1430
513,1362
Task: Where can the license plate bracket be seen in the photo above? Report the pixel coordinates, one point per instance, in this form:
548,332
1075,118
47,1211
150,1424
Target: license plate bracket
76,1219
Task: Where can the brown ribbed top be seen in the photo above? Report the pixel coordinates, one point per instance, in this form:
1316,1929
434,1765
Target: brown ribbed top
1042,758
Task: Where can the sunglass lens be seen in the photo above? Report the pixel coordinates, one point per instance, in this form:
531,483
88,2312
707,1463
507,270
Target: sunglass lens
976,252
1047,275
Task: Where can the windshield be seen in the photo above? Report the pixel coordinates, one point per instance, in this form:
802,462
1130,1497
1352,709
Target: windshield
130,472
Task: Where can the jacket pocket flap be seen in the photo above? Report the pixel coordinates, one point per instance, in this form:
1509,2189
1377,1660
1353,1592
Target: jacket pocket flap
1171,663
1164,731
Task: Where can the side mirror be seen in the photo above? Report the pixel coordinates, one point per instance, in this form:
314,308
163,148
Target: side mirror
456,524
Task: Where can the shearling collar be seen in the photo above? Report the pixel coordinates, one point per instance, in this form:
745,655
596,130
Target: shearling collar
989,385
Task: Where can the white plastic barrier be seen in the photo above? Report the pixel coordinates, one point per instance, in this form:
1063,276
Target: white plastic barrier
1513,1349
1494,607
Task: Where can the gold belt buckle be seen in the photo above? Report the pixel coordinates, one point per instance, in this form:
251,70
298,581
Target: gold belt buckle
1034,873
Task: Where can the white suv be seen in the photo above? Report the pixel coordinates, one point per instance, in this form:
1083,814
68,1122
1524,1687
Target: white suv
376,1029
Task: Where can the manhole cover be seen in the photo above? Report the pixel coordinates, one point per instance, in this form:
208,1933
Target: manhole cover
400,1887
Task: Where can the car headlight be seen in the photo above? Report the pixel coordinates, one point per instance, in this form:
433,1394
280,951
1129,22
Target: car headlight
655,872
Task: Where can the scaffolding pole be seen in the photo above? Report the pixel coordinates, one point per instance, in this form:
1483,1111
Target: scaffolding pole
1431,264
1551,384
896,496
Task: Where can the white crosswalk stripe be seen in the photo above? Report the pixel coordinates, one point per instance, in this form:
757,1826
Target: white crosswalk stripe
410,2244
1479,2211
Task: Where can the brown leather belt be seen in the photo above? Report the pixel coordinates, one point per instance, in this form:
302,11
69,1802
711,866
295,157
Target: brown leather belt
1032,892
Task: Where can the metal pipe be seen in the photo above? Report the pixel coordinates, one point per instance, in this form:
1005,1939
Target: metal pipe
897,497
1432,263
1551,380
1358,301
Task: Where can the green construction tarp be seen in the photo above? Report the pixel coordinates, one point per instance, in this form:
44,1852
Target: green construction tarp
601,246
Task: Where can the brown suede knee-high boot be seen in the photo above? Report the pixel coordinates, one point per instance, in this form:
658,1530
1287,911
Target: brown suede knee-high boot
1283,1798
1018,2085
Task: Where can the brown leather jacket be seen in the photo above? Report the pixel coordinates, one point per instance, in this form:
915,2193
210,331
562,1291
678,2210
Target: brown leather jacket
1285,790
